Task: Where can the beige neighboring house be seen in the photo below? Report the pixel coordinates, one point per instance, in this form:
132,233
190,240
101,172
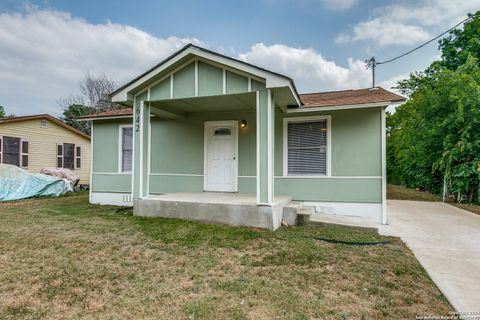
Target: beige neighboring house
38,141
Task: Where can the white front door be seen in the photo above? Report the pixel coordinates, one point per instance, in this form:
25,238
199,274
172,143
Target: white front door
221,156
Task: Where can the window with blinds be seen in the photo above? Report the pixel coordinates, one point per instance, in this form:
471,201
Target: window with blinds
307,147
127,148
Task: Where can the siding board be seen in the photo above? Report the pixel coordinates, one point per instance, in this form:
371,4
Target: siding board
42,144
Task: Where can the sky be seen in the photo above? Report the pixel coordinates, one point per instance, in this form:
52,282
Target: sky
48,46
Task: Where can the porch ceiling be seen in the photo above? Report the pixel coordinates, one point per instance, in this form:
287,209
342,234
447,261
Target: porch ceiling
175,108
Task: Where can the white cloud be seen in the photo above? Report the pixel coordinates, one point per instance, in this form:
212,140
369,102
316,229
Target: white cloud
339,4
310,70
408,24
44,53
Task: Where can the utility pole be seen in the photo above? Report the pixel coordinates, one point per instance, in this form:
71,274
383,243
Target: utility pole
371,63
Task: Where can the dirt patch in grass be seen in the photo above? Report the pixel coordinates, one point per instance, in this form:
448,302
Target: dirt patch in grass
395,192
65,258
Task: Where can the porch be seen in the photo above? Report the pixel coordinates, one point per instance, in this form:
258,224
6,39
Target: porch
214,207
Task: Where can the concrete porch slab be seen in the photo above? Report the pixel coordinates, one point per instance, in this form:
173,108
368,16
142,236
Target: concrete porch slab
214,207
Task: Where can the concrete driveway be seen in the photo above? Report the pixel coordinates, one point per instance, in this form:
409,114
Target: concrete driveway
446,241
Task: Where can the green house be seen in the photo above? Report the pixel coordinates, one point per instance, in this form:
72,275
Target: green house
211,138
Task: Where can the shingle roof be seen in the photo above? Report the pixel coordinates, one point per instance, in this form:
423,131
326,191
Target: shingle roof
43,116
107,114
349,97
309,100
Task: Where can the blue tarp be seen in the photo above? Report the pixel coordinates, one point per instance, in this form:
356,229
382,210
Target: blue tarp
16,183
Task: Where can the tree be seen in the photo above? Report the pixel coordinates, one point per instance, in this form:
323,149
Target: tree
71,113
436,134
93,97
3,113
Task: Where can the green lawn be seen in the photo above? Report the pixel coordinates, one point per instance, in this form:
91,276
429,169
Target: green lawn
65,258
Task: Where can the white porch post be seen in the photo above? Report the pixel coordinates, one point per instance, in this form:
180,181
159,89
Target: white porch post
265,146
384,166
141,150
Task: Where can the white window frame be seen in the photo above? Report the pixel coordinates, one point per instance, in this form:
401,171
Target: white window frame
22,165
78,157
286,121
120,143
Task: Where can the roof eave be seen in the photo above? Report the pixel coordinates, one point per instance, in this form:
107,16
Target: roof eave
343,107
123,95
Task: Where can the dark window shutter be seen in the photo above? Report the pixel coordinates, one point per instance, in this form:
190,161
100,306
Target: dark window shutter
307,148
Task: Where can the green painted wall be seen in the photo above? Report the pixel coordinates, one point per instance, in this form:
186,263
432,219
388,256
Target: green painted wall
210,80
105,146
167,184
356,141
184,82
330,189
105,158
111,183
236,83
178,148
161,90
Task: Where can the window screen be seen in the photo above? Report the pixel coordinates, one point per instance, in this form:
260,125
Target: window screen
69,156
11,151
307,148
127,143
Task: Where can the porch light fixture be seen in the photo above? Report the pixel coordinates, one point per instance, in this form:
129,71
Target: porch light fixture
243,124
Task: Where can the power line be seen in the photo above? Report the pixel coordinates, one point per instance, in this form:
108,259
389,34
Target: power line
372,63
424,44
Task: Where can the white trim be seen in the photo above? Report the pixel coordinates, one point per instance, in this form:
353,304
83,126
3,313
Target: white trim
270,147
21,153
176,174
91,164
133,146
142,111
384,167
230,69
258,146
112,173
329,143
369,211
247,177
1,148
249,84
272,79
106,118
111,198
207,125
224,83
327,177
171,86
149,146
120,144
196,78
348,106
